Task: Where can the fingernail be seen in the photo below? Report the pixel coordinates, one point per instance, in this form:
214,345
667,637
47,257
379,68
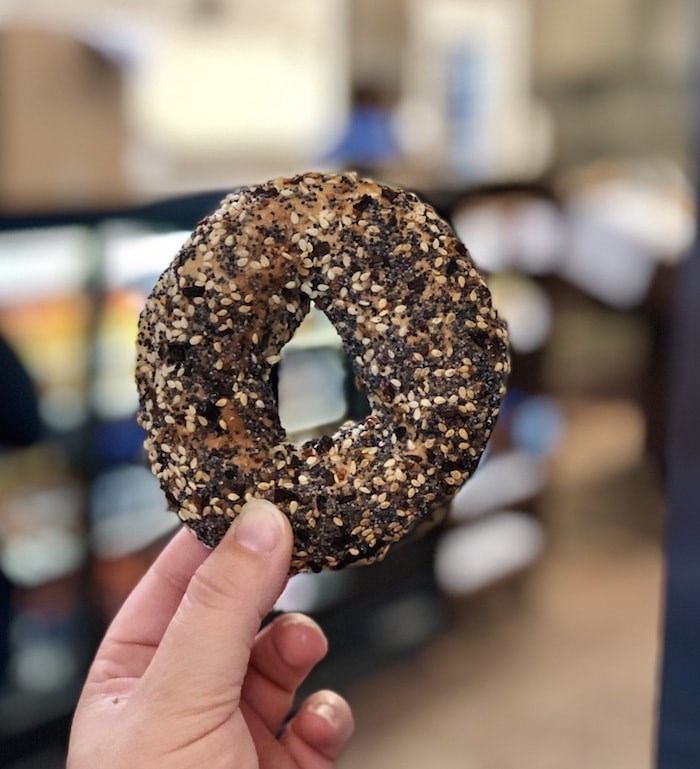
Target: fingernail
258,526
326,711
308,640
297,618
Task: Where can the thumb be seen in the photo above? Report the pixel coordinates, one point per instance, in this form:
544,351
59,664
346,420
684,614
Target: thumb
206,648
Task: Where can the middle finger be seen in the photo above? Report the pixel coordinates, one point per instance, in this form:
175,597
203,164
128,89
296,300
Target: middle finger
283,654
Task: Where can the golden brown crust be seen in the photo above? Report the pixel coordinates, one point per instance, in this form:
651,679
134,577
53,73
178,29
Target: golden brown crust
416,322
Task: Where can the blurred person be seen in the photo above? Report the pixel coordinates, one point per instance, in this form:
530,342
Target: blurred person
368,141
185,678
20,426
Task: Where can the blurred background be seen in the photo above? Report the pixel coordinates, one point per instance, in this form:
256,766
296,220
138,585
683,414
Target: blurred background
555,137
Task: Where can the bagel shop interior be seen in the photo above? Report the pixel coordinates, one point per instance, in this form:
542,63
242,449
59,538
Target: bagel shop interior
547,618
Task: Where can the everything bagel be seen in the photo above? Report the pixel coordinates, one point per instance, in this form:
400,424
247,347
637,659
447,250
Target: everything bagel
416,322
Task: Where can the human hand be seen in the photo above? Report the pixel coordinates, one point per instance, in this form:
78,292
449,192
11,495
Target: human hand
184,679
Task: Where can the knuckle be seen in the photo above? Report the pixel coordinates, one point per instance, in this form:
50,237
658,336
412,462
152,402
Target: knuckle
210,589
217,591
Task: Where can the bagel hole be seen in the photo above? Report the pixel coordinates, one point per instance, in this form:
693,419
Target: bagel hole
314,385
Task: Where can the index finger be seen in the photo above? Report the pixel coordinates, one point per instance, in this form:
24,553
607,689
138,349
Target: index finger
138,628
